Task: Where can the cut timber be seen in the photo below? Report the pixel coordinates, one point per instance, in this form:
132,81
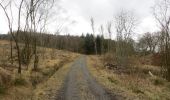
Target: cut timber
150,73
110,66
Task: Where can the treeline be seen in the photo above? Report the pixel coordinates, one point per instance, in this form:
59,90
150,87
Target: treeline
148,43
81,44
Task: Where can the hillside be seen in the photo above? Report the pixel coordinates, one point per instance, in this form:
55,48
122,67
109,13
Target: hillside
54,63
140,81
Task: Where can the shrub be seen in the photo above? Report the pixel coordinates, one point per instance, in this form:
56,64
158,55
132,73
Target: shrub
109,58
156,59
5,77
5,80
168,86
136,89
112,80
158,81
36,79
48,73
2,89
19,81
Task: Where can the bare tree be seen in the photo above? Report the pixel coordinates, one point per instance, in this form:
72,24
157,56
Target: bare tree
142,46
109,26
10,23
93,29
36,16
148,42
151,40
125,23
161,12
14,36
102,42
35,13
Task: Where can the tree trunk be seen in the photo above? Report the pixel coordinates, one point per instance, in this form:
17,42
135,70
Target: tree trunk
11,52
35,55
19,57
95,46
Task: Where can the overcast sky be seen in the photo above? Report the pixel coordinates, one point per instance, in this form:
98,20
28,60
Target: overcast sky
77,15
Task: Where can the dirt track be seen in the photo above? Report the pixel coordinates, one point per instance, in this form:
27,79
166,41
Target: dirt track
80,85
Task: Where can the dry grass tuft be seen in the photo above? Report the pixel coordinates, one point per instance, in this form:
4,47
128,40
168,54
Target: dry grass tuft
5,77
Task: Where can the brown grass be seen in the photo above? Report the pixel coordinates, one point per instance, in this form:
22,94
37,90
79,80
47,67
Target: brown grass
27,85
138,84
48,89
5,77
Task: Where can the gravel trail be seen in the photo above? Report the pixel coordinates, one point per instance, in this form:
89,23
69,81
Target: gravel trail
80,85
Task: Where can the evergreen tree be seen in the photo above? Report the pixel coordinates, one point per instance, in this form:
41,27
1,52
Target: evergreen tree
89,44
99,44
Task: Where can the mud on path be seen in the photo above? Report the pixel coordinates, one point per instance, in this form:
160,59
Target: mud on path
80,85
